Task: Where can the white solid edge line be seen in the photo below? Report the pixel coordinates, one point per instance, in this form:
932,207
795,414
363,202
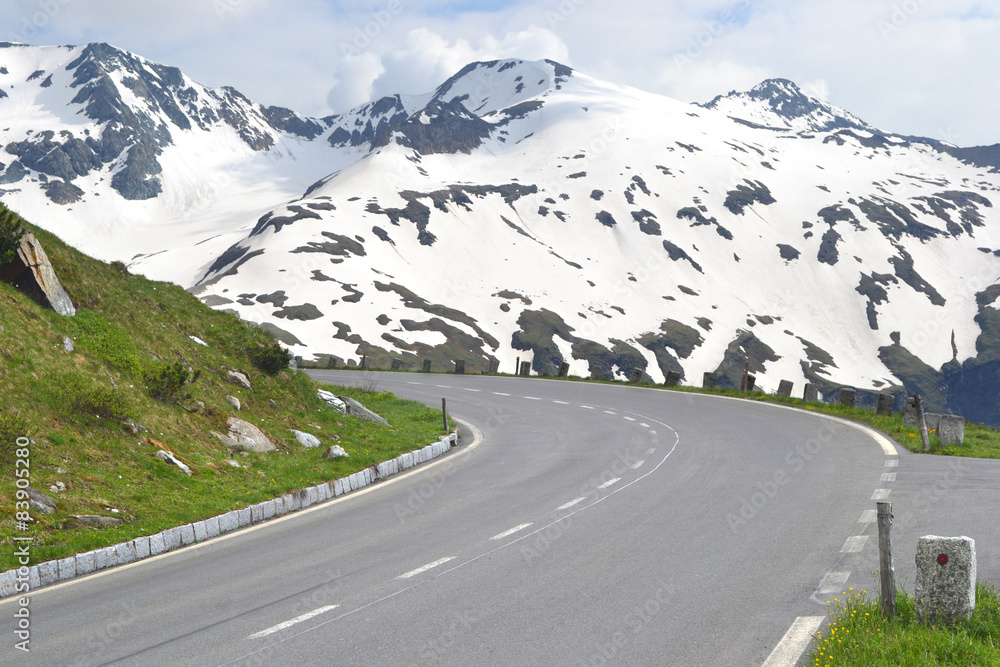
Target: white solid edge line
429,566
477,439
794,643
508,533
287,624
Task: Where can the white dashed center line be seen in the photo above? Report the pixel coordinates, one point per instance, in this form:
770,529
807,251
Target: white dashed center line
867,516
570,504
429,566
508,533
610,482
881,494
475,390
888,477
561,402
628,419
500,393
608,412
288,624
532,398
854,544
586,407
637,465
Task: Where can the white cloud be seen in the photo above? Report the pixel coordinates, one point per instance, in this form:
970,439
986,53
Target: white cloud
917,67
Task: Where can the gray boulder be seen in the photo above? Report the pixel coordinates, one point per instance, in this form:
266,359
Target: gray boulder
336,452
333,401
168,457
306,439
244,436
240,379
40,502
235,402
32,271
359,411
96,521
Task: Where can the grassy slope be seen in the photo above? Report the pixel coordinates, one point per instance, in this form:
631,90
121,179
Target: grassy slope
74,405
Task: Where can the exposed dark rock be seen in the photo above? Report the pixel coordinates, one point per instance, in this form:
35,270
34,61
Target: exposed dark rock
745,347
339,245
382,235
647,222
905,272
746,195
597,195
677,254
31,272
606,219
62,192
286,337
278,298
788,253
286,120
828,253
894,219
411,300
277,222
305,312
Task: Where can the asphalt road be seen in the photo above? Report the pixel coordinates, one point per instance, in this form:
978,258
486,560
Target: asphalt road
591,525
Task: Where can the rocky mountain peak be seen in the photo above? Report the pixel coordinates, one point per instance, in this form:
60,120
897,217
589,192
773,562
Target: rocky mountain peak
781,104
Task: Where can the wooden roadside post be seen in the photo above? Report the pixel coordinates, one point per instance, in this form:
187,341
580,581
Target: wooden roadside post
886,572
745,386
921,422
444,413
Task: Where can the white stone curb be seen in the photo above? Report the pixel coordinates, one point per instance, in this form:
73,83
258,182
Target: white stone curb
64,569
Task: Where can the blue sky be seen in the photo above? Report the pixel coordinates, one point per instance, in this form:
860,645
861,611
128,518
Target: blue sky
910,66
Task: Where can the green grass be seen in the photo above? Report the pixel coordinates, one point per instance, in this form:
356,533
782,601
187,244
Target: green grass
130,334
859,635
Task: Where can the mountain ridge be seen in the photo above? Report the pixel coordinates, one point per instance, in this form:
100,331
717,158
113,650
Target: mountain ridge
524,209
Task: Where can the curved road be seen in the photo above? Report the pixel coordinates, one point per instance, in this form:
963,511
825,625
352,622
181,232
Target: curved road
590,525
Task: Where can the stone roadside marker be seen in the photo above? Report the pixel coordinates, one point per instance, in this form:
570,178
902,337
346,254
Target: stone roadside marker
563,369
946,578
810,394
636,376
673,379
708,381
460,367
785,388
884,405
951,430
847,397
427,365
525,370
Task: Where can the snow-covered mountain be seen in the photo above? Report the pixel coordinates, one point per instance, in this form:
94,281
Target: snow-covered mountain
523,209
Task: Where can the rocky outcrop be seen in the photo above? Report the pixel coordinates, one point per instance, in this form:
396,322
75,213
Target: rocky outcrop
40,502
306,439
96,521
32,273
359,411
240,379
244,436
336,452
168,457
